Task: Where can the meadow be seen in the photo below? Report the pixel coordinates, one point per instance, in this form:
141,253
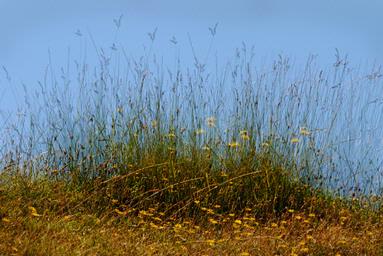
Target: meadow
133,157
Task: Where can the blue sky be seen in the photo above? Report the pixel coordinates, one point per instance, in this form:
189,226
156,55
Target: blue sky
296,28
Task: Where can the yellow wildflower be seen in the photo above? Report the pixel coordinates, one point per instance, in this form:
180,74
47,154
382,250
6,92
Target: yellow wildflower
213,221
233,144
239,222
294,140
152,225
298,217
171,135
157,219
33,211
210,211
211,242
200,131
244,135
67,217
304,131
6,220
343,218
151,209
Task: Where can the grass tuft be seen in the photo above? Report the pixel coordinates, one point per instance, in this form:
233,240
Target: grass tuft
127,159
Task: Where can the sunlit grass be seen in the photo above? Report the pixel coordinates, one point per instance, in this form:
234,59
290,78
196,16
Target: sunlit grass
50,218
131,159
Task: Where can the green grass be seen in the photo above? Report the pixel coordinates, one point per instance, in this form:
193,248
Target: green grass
130,159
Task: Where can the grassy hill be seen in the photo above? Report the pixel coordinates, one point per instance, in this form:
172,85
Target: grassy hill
130,159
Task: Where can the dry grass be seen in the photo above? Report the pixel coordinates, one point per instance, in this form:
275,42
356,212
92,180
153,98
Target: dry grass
43,217
115,235
128,159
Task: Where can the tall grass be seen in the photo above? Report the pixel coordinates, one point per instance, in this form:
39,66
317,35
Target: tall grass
267,137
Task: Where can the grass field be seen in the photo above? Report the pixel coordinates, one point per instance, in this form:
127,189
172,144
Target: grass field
49,217
131,158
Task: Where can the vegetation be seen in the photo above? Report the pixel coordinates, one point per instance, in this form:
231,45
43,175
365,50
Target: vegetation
132,159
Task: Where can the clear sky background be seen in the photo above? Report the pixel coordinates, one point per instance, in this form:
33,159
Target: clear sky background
296,28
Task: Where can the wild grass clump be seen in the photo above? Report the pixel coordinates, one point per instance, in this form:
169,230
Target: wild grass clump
133,131
261,157
174,185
